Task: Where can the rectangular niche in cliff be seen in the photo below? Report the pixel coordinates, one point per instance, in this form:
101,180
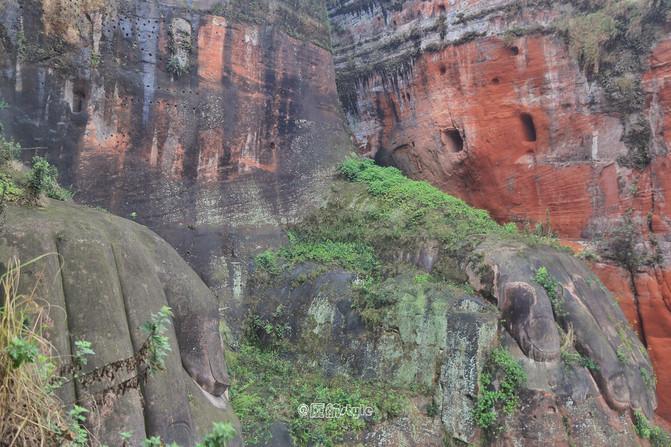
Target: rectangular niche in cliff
79,96
528,127
452,140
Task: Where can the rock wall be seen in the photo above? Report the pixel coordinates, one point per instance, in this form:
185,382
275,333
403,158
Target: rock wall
211,122
487,101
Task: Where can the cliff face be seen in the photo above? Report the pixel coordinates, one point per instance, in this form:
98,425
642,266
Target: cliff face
488,100
197,118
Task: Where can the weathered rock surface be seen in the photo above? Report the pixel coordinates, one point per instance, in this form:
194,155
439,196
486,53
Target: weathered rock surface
486,101
437,337
439,340
102,278
217,152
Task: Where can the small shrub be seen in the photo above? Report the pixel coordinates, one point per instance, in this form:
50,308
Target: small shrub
573,358
422,278
646,430
9,150
43,181
498,397
154,441
648,377
637,140
21,351
176,66
268,262
553,290
158,343
587,36
221,434
78,435
265,332
620,244
95,60
82,350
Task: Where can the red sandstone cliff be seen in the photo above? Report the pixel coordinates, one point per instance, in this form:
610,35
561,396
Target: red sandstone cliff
213,123
487,101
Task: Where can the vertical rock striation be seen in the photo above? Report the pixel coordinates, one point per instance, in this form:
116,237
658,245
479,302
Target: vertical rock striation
212,122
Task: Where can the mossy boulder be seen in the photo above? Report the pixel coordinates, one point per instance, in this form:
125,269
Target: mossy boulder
396,282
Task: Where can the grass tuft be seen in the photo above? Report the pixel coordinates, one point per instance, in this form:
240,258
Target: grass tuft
32,414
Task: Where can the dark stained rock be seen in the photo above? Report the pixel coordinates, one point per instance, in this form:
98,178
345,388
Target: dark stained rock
214,159
281,436
102,278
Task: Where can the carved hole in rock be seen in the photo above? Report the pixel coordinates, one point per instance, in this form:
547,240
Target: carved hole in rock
496,81
452,140
78,100
443,69
514,50
441,8
528,127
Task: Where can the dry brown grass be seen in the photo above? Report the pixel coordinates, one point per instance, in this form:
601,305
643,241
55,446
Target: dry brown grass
30,415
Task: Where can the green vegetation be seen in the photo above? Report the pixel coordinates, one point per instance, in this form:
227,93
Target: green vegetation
620,244
9,150
221,434
587,36
43,180
350,256
553,290
82,351
78,435
648,377
646,430
637,140
573,358
95,60
17,185
267,332
157,343
611,39
267,386
602,30
374,224
29,375
25,369
569,355
626,349
176,67
500,383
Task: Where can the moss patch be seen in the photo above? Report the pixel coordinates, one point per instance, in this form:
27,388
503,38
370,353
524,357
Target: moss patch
266,386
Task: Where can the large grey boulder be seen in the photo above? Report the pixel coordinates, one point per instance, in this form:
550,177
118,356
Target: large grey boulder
102,278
